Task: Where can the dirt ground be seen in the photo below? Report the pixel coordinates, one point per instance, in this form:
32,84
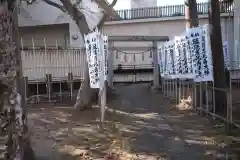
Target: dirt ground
139,125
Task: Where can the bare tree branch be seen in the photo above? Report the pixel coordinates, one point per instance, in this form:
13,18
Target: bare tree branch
80,17
61,7
77,3
101,23
77,16
108,8
113,3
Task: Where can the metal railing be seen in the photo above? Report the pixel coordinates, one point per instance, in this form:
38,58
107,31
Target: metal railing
167,11
200,96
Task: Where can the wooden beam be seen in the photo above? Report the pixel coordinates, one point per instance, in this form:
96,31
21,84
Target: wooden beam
133,48
138,38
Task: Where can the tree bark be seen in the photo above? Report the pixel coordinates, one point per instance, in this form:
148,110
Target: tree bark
192,21
217,56
191,14
13,109
85,93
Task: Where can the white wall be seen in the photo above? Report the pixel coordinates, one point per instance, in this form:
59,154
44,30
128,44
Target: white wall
41,13
143,3
121,4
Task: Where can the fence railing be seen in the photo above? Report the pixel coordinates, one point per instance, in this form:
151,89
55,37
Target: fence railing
58,63
37,63
200,96
132,67
167,11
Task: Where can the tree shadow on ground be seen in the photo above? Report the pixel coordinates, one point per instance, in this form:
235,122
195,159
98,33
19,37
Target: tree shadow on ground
204,129
63,130
198,132
142,125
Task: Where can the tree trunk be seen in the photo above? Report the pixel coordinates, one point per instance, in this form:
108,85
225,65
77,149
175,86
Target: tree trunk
13,111
86,93
192,20
191,14
217,56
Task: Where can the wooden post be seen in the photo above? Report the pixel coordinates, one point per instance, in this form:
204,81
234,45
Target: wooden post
70,84
26,87
49,86
103,103
230,37
156,73
110,63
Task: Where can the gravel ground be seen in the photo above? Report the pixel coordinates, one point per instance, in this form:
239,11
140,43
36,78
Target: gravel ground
139,125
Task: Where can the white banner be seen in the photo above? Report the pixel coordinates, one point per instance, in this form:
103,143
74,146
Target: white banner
226,55
165,60
92,52
236,63
188,56
160,56
177,58
105,39
170,59
183,59
101,61
195,38
97,56
206,54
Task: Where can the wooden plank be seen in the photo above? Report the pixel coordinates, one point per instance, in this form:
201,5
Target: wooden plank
155,66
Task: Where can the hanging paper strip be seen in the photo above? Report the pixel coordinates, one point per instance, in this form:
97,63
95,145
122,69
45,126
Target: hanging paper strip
122,57
206,54
129,58
195,38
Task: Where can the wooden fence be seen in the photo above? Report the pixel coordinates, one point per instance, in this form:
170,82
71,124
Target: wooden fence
58,63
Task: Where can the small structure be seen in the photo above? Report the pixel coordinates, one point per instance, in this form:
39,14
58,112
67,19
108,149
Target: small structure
153,39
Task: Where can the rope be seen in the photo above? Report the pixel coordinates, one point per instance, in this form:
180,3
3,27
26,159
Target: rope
134,53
